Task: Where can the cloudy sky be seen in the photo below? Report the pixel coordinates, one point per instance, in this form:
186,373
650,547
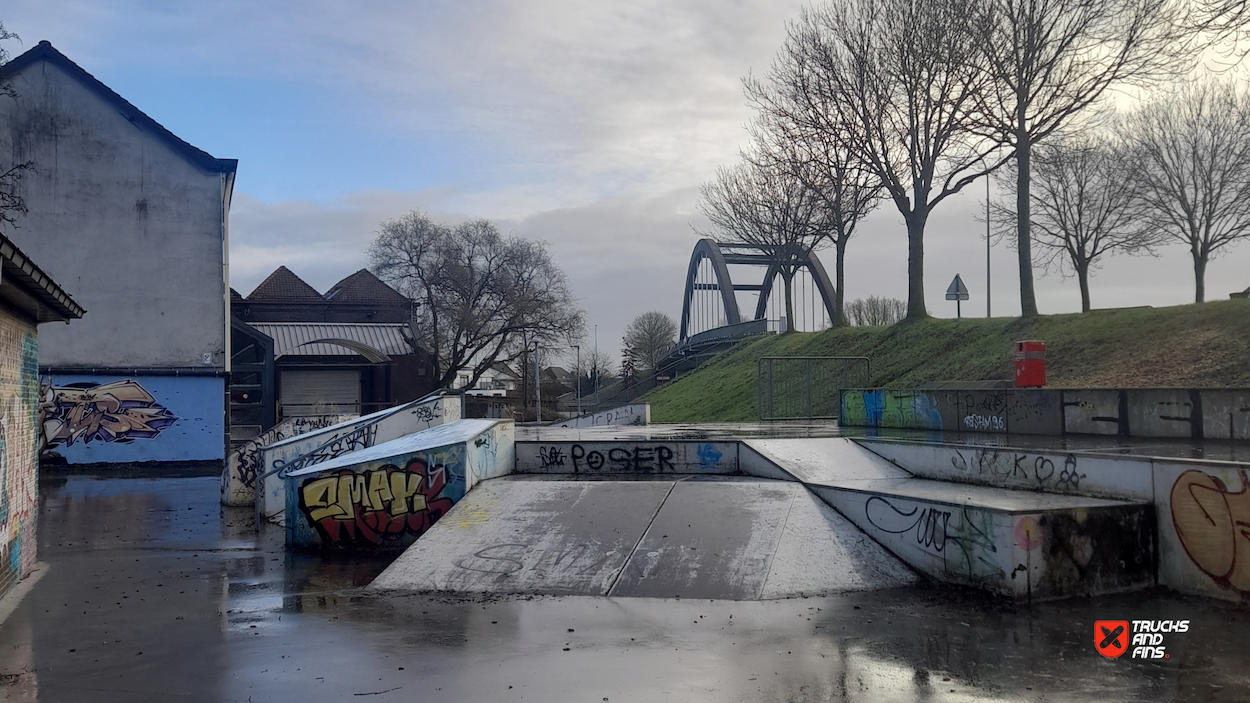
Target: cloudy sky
588,125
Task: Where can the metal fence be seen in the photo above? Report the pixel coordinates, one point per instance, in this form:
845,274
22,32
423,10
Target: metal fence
806,387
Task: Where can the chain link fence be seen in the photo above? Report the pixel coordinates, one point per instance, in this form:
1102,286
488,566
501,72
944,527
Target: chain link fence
806,387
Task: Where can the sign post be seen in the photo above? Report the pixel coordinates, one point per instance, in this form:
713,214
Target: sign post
957,292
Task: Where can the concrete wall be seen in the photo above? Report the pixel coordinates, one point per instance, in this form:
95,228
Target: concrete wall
1059,553
627,457
387,503
1203,513
90,419
238,481
124,223
1067,473
331,442
1199,505
19,416
636,414
1142,412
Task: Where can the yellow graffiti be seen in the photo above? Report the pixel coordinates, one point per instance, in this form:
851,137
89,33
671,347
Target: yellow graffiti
337,496
1214,526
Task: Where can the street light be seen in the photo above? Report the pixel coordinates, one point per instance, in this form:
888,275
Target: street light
578,379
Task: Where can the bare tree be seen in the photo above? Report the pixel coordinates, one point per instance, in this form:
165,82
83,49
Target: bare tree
483,298
1224,24
1193,150
11,203
876,312
647,339
790,134
906,79
759,205
1050,60
1082,207
597,367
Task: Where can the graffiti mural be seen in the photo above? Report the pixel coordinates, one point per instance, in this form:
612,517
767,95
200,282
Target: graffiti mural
386,504
1213,524
122,411
19,416
889,408
243,468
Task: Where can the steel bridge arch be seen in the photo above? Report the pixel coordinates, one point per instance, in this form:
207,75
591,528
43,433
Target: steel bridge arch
721,259
708,249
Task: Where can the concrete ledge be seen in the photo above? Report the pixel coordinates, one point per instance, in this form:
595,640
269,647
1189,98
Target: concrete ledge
388,495
312,448
1006,544
243,466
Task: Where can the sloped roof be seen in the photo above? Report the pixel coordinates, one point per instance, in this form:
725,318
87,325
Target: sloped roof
364,287
283,285
44,51
39,296
312,338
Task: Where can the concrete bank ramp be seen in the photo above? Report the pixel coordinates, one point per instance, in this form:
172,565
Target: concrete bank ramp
720,538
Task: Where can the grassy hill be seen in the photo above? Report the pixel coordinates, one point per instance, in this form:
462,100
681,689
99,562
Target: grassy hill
1205,345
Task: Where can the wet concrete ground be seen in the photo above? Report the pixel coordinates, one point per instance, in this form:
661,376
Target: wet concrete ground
154,592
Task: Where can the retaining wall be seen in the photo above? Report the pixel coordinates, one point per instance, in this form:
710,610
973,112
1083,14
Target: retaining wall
627,457
1138,412
636,414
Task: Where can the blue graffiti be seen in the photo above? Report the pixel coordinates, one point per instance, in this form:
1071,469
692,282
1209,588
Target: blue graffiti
709,456
15,555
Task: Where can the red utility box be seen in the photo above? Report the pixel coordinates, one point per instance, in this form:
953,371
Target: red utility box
1030,364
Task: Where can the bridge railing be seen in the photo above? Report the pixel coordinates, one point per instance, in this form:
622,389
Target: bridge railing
805,387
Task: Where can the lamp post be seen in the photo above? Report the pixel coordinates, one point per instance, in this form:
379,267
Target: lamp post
578,379
538,387
596,360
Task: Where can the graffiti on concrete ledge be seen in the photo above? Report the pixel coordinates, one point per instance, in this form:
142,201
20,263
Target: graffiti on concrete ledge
247,458
386,504
121,412
966,531
1213,525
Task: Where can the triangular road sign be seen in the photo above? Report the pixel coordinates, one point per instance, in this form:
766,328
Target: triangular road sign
957,290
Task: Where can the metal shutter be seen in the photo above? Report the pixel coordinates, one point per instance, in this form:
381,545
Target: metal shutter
320,392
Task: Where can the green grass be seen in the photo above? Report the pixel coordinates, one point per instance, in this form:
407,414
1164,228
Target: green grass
1205,345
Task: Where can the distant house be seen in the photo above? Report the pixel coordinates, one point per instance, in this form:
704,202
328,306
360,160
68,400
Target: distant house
297,352
29,297
1244,294
133,222
499,381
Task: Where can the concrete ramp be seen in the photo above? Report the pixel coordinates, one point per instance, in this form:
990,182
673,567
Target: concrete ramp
819,460
738,539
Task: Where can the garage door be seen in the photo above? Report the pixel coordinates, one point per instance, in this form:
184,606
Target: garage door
317,392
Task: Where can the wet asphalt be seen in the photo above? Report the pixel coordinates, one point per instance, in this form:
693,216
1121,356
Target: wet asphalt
154,592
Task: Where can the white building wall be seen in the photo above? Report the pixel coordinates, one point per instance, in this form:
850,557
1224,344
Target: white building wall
129,227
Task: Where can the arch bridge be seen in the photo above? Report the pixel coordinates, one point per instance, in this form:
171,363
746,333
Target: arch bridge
710,307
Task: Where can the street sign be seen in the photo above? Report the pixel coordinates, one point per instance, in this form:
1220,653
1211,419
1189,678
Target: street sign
957,290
